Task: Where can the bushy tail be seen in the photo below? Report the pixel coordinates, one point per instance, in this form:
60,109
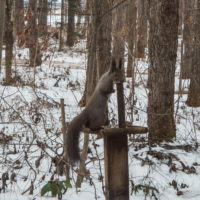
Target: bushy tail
73,134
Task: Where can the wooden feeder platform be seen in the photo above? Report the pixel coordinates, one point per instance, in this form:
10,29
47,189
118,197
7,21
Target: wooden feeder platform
111,131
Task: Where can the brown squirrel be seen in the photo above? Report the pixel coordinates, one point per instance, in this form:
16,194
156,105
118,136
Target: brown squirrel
94,114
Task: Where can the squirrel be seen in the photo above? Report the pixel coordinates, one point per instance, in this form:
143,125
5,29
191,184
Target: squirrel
93,116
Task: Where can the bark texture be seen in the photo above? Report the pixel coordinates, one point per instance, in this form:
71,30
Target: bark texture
194,88
32,43
42,19
132,15
71,24
19,16
2,17
187,39
104,24
162,56
142,28
8,41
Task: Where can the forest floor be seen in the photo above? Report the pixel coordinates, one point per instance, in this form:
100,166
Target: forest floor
31,138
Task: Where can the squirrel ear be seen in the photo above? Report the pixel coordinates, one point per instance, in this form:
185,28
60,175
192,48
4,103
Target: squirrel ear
113,67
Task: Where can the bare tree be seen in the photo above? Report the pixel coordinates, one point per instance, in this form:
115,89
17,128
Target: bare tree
71,23
194,88
61,26
42,18
152,17
132,15
8,41
103,24
2,14
119,19
187,39
142,28
19,16
162,55
34,48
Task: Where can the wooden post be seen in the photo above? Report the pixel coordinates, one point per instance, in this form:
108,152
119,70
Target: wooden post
116,156
62,105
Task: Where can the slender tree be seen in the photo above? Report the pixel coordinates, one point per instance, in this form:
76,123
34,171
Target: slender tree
132,15
152,18
8,41
34,48
162,56
103,24
142,28
2,14
187,38
42,18
71,23
194,88
19,16
61,26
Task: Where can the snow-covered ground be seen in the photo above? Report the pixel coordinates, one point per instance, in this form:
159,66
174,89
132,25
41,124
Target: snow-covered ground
31,137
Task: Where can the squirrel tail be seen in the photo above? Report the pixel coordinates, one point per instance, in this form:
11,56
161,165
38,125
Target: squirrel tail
73,134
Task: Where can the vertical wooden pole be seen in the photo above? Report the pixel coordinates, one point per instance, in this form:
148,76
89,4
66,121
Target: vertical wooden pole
116,157
62,105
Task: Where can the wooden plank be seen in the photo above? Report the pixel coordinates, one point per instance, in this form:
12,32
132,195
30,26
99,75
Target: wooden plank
118,131
116,157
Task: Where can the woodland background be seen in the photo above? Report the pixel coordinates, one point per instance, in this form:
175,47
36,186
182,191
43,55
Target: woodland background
52,53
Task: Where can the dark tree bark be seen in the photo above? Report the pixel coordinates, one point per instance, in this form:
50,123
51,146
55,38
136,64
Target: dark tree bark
2,18
153,18
42,18
88,21
142,28
79,15
8,41
103,24
132,15
19,16
187,39
162,55
71,24
119,19
32,43
61,27
194,88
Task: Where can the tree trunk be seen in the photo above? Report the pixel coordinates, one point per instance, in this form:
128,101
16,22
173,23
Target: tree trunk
88,20
19,16
42,19
187,39
34,48
61,27
91,80
142,28
132,15
162,55
194,88
118,22
153,18
71,23
2,15
8,41
103,26
79,14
